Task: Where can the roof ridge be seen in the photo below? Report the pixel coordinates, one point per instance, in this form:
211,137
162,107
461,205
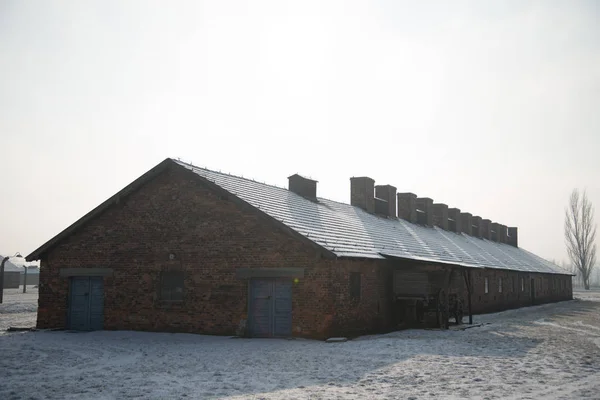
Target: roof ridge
261,182
228,174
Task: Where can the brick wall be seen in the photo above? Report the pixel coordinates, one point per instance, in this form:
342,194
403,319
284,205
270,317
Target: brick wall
371,311
548,288
210,235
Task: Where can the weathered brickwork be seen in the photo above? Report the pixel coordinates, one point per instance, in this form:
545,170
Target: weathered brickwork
516,289
548,288
371,311
211,235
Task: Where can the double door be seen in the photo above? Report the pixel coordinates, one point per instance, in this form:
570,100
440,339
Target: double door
270,308
86,303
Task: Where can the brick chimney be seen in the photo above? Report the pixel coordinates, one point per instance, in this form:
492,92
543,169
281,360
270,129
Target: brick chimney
387,193
513,238
303,186
485,229
454,221
476,226
440,215
407,208
466,220
425,205
362,193
503,234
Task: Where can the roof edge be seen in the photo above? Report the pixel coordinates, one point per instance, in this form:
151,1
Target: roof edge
465,265
428,260
146,177
162,166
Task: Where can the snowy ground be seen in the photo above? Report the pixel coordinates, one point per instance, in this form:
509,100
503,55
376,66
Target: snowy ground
18,308
549,352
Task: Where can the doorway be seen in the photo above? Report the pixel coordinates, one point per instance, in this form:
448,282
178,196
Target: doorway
270,308
86,303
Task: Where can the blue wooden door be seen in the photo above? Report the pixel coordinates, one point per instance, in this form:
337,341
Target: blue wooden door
86,305
96,304
260,308
270,308
79,304
282,308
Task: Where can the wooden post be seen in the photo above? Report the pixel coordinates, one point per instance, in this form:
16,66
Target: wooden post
447,305
467,276
469,300
446,298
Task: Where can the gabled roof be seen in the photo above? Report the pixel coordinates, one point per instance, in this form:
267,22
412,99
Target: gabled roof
133,186
8,266
343,230
348,231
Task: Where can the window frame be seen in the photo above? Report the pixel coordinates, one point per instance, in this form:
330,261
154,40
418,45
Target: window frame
522,284
355,286
500,285
172,278
486,285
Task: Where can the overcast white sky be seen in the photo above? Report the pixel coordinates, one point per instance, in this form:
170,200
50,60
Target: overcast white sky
491,107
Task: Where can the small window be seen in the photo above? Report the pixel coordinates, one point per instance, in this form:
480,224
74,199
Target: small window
486,286
522,285
171,286
355,285
499,285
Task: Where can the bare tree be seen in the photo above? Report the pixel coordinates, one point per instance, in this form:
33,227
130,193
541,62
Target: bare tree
580,235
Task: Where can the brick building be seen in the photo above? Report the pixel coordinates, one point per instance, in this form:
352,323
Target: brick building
185,249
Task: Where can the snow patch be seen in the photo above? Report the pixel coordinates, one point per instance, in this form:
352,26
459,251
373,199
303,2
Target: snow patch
550,351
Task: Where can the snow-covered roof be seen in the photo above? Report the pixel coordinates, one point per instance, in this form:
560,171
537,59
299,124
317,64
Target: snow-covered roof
348,231
9,266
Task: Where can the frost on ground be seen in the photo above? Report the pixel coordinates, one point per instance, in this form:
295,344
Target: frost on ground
548,351
18,309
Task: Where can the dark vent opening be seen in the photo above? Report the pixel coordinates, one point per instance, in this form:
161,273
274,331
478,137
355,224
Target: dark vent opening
452,225
381,206
421,217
